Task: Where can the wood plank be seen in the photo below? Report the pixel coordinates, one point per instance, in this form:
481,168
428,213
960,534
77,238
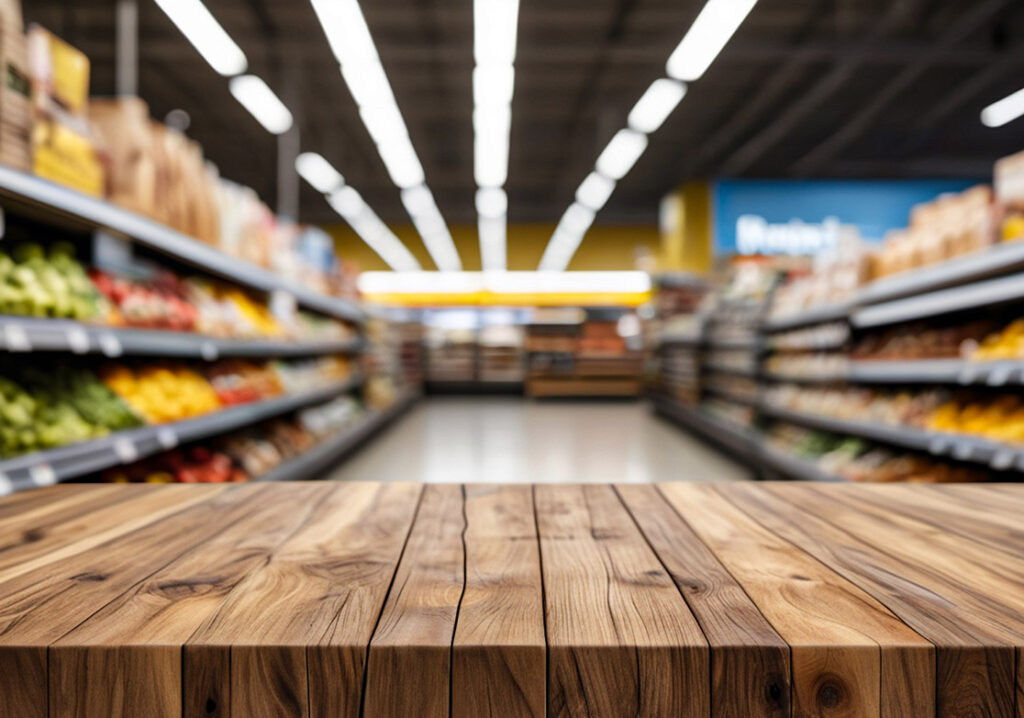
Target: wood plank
41,605
290,639
850,655
621,639
133,644
46,543
976,673
409,668
499,663
749,660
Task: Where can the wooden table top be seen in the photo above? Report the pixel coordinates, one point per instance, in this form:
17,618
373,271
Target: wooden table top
383,599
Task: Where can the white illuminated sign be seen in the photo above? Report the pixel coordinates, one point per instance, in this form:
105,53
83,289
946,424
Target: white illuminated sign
755,235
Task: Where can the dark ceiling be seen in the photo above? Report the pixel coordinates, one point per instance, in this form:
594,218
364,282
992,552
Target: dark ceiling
841,88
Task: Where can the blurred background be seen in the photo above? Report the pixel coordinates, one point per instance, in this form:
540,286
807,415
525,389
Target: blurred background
614,240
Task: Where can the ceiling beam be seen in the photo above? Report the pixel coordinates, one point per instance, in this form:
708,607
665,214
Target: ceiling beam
744,156
853,128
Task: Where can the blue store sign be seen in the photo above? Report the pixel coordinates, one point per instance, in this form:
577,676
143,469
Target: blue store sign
804,217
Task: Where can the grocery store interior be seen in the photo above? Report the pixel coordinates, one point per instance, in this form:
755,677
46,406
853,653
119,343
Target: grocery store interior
661,293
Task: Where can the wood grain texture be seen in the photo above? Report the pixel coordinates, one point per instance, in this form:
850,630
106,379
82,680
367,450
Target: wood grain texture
145,622
410,655
850,655
395,600
975,649
749,660
297,626
621,639
499,666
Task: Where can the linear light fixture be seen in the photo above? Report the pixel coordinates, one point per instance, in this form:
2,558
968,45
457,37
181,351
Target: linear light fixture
350,40
714,26
716,23
261,102
510,283
495,24
318,172
347,202
1004,111
655,105
206,35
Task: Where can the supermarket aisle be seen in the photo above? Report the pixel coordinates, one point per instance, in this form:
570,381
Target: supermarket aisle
508,439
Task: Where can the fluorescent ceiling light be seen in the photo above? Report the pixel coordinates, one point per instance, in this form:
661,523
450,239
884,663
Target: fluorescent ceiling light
504,282
255,96
384,123
1005,110
490,161
318,172
346,31
493,84
206,35
491,202
494,31
621,154
347,202
715,24
595,191
492,243
577,218
401,162
495,119
418,200
655,105
368,84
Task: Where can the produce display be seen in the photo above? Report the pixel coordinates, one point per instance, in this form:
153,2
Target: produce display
246,454
51,283
999,417
738,414
856,459
39,283
901,408
731,385
739,360
239,382
162,392
1004,343
921,340
828,335
45,407
808,365
834,279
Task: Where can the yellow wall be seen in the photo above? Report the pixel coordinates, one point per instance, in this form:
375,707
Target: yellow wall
686,240
604,247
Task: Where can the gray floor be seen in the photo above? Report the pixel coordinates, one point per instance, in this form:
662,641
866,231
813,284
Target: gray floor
511,439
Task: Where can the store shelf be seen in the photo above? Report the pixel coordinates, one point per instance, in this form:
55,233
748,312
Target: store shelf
816,315
733,342
730,396
311,463
831,378
749,372
734,438
957,299
25,334
794,467
939,371
25,191
679,340
972,449
41,468
972,267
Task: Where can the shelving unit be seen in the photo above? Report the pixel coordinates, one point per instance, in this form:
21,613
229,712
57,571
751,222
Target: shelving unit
37,197
25,334
42,468
320,457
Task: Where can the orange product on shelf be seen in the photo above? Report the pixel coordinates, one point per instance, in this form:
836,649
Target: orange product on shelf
162,392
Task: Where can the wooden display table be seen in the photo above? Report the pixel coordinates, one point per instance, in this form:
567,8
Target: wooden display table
677,600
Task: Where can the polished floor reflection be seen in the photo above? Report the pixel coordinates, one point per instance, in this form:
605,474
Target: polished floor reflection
509,439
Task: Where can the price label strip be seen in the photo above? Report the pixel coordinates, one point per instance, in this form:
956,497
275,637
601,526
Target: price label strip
6,485
78,340
110,345
126,451
43,475
167,437
209,352
1003,459
16,338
